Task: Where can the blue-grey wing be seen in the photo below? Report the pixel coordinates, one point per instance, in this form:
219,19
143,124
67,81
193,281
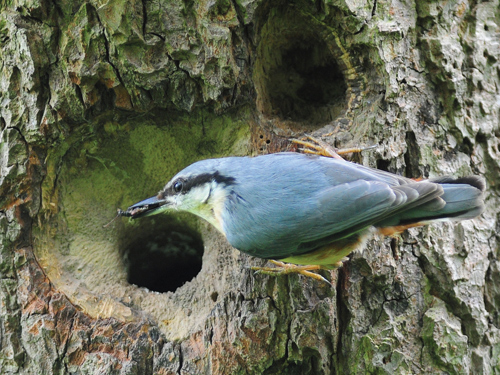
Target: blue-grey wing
350,208
289,227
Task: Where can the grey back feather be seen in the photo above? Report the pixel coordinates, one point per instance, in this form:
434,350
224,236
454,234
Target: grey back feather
288,203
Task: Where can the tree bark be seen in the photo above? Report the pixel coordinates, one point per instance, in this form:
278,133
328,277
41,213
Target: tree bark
102,102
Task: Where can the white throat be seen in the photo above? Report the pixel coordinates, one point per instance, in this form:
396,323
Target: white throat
211,198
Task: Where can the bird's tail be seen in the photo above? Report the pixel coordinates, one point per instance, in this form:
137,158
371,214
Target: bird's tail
462,199
463,196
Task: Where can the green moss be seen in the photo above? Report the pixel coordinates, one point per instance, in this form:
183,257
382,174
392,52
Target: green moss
364,356
443,338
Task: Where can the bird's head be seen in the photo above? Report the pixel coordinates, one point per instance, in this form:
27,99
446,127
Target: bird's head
201,191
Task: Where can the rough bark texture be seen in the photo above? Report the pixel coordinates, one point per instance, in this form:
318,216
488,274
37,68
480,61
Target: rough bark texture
101,102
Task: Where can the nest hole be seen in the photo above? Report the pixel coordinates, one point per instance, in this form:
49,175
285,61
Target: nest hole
315,81
127,269
298,76
162,257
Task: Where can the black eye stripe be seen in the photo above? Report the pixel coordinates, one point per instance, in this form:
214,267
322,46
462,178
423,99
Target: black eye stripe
198,180
203,178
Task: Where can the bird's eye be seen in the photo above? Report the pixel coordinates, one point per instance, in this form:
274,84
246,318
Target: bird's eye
178,185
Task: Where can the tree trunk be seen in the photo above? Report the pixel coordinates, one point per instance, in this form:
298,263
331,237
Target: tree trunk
102,102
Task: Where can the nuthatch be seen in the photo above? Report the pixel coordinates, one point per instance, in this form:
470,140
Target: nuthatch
308,209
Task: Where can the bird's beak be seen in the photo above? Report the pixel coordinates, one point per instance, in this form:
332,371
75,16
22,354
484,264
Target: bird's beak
147,207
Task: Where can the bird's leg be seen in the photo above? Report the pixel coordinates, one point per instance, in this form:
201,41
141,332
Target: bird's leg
287,268
318,147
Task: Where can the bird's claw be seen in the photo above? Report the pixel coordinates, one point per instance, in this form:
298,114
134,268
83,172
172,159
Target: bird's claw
287,268
318,147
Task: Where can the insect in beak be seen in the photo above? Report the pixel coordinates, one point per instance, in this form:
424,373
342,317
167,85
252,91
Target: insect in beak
143,208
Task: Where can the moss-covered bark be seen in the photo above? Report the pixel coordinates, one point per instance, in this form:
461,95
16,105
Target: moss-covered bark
102,102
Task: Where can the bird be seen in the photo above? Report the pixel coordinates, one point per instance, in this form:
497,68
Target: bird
308,212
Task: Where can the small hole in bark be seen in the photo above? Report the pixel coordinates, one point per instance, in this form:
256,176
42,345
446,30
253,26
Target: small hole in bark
162,257
383,165
394,248
480,138
214,296
466,146
412,156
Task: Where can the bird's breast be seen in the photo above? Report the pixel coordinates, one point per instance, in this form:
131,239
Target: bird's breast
332,253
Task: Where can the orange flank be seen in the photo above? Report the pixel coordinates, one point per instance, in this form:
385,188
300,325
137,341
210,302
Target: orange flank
397,229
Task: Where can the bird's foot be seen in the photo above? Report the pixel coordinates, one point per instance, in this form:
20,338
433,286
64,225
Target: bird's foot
318,147
287,268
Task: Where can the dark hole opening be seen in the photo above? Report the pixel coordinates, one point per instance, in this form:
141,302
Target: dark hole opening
163,257
307,81
412,156
466,146
383,165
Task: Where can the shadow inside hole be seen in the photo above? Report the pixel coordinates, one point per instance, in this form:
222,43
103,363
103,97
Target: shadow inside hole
307,80
383,165
161,254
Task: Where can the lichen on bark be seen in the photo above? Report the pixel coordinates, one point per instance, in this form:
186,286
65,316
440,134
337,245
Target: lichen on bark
102,102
